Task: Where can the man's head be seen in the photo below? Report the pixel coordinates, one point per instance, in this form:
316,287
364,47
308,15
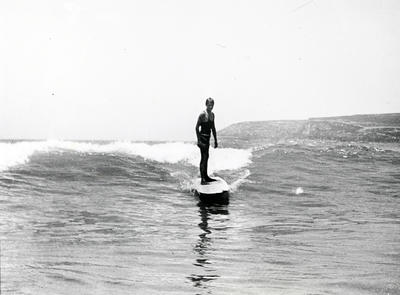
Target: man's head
209,103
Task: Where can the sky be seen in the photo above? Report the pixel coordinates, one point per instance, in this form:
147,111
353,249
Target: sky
142,70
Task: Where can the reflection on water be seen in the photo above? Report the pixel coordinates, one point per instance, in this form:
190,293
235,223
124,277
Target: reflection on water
204,246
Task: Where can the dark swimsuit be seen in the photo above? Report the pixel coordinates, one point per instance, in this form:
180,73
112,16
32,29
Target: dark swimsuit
206,126
205,131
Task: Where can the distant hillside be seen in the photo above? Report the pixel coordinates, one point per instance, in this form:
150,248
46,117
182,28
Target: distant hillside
373,127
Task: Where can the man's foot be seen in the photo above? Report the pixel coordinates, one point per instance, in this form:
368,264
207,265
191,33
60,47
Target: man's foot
204,182
209,179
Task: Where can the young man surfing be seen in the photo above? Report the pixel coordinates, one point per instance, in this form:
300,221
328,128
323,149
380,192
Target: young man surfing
206,124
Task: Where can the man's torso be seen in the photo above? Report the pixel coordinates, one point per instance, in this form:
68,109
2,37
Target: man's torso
206,123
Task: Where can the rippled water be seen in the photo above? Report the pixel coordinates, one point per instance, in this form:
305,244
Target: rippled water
304,218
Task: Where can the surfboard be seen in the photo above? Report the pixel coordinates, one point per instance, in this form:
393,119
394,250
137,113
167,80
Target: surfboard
213,192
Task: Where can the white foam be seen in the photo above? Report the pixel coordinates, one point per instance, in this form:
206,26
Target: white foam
242,179
299,191
224,159
12,154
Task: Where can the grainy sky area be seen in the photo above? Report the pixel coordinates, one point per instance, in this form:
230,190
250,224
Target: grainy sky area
141,70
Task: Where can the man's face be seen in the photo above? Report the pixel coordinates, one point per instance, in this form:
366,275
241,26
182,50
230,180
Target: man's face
210,106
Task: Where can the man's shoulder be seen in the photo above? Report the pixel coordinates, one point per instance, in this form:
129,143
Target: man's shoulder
203,114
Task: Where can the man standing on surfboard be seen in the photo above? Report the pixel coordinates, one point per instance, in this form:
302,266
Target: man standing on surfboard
205,124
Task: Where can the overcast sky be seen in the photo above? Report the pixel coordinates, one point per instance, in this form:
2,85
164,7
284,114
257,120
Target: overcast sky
141,70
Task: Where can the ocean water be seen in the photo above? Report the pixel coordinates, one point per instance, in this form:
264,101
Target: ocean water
305,217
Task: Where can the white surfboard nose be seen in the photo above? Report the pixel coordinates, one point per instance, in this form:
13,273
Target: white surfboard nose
214,187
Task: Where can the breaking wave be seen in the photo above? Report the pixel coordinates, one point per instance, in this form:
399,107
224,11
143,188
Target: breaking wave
18,153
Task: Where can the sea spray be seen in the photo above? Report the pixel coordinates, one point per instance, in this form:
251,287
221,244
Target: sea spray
234,186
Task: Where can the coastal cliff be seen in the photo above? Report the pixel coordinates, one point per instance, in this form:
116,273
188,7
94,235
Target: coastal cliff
366,128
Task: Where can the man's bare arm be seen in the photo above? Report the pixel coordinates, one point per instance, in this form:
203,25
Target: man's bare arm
198,128
214,132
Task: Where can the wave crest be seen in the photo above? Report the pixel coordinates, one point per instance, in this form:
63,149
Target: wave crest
12,154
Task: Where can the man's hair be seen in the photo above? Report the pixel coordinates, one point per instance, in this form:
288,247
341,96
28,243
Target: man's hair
209,100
